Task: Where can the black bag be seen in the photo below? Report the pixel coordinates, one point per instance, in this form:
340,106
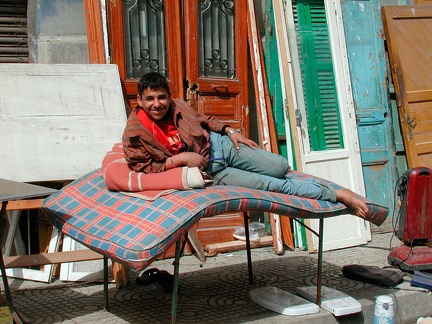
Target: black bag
373,275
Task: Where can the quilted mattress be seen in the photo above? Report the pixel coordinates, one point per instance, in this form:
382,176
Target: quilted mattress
135,231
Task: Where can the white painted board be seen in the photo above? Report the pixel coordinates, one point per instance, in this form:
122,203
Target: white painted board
282,301
336,302
45,273
91,270
57,121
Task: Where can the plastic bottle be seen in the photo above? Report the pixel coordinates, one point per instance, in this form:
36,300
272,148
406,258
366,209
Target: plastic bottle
384,310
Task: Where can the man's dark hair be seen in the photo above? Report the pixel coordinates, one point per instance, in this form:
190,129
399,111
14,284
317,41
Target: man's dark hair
152,80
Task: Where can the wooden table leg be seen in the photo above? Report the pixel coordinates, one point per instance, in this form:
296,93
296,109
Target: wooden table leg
120,274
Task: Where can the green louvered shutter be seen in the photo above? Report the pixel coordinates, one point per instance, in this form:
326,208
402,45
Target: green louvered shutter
322,109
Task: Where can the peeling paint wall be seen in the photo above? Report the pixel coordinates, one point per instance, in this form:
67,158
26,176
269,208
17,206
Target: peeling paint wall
57,32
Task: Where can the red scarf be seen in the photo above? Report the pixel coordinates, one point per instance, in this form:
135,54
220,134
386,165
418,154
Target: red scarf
163,130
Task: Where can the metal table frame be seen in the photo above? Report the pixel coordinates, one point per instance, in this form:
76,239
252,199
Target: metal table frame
174,296
178,254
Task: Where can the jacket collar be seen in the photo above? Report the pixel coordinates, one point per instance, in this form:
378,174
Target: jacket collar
137,129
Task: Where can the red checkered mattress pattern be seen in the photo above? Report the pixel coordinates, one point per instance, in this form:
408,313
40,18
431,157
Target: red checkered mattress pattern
135,231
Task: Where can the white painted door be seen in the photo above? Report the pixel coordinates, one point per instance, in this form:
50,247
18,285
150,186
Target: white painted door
342,165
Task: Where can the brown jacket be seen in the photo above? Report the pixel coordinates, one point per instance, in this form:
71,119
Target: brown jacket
145,154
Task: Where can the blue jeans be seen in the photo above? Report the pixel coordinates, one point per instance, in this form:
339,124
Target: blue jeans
259,169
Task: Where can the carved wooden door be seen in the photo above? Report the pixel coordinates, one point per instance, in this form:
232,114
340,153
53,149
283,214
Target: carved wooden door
216,59
199,45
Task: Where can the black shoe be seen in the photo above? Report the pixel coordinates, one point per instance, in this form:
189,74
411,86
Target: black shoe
373,275
166,280
148,277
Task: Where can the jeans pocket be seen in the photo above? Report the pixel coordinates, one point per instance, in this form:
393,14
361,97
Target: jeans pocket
216,159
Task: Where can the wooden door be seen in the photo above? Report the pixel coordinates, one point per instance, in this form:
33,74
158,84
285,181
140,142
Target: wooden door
200,46
145,36
408,31
215,59
368,68
327,127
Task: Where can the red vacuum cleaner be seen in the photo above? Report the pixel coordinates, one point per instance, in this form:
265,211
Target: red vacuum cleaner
414,223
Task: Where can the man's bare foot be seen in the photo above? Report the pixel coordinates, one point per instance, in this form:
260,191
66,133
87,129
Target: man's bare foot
349,198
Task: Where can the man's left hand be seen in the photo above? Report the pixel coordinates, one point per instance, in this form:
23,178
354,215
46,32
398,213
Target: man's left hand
238,137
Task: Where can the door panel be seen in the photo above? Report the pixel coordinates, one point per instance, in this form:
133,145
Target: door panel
125,18
366,53
216,68
408,32
216,105
347,230
215,45
338,160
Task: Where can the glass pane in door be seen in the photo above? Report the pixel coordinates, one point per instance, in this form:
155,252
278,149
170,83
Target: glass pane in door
145,40
216,38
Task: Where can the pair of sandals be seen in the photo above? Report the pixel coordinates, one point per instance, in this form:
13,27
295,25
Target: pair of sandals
150,276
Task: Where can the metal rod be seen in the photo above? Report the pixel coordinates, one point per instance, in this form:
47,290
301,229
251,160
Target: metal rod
174,296
248,246
304,225
28,234
105,283
320,261
2,266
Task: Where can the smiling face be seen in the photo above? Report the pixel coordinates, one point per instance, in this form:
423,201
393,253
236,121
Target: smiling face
155,102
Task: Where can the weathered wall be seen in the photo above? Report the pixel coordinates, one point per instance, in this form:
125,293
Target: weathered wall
57,32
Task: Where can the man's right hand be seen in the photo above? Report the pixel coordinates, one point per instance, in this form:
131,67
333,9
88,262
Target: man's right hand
190,159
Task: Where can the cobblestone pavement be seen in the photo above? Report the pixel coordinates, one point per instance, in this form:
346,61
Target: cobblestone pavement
217,291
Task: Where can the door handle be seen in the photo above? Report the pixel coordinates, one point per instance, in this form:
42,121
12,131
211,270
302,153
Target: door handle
216,87
298,117
191,93
411,124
